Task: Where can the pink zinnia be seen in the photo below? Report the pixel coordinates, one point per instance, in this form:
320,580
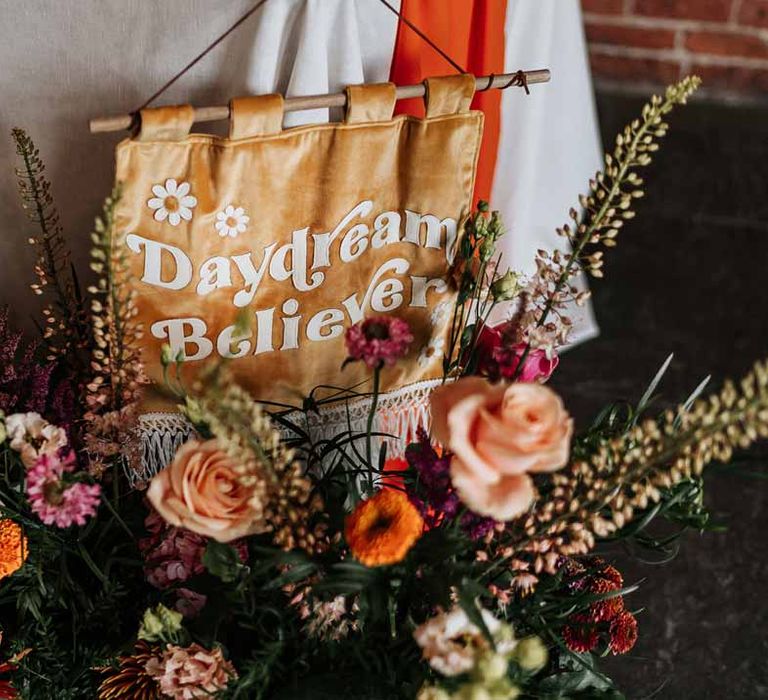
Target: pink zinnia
379,340
55,502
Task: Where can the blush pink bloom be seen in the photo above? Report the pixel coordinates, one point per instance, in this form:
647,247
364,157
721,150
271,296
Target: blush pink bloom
379,341
54,501
32,436
497,434
200,491
185,673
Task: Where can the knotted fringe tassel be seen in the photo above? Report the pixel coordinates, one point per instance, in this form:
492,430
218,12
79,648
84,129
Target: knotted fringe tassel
399,415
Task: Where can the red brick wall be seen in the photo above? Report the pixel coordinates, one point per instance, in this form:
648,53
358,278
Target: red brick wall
637,43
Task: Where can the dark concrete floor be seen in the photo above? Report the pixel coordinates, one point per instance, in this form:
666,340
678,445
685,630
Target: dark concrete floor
690,276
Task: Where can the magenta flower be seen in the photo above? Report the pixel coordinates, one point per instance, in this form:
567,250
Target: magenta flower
53,500
379,341
536,368
498,356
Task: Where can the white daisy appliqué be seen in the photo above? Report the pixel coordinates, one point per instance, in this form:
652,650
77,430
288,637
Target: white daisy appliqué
232,221
172,202
440,313
432,351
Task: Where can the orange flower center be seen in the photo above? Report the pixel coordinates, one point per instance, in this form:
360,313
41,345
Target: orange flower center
231,221
171,203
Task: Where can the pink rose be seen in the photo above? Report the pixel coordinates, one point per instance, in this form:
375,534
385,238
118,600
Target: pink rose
201,491
497,434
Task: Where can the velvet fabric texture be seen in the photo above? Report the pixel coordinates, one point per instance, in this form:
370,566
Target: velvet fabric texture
265,246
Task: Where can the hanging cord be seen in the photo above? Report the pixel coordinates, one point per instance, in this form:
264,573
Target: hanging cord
200,56
422,36
519,78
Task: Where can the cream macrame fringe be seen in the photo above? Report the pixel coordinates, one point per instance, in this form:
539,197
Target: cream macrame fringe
399,414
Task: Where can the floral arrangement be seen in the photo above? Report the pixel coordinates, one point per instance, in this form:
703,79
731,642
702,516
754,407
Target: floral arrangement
260,566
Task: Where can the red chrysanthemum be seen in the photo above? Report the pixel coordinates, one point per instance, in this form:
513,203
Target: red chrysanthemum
379,341
611,573
604,610
623,633
580,638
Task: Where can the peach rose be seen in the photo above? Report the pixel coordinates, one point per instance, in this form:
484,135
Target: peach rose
200,491
497,434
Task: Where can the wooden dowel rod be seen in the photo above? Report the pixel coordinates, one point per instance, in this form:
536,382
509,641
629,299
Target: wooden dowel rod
295,104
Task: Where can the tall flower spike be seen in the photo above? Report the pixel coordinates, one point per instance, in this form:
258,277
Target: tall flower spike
606,208
599,495
66,331
118,372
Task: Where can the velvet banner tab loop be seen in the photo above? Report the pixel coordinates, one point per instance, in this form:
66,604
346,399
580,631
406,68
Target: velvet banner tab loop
170,123
258,115
450,94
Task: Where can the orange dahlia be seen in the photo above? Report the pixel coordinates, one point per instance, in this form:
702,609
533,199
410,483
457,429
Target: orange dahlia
382,529
13,547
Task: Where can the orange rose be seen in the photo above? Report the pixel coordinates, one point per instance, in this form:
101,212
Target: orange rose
200,491
497,433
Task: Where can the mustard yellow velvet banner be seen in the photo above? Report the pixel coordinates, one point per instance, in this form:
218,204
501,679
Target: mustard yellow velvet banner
307,231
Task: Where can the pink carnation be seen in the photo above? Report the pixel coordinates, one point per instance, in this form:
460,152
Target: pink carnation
55,502
184,673
379,341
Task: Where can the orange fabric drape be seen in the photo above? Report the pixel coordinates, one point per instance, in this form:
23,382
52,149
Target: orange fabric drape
471,32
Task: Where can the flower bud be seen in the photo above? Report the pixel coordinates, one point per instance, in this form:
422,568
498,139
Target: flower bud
432,692
531,654
491,667
166,355
473,691
160,624
505,287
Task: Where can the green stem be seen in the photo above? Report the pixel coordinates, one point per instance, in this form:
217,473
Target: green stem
369,428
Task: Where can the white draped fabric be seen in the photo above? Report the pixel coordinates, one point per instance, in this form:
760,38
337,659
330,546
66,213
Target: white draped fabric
65,61
550,145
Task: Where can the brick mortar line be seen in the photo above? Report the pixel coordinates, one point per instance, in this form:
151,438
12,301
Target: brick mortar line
642,88
637,22
678,55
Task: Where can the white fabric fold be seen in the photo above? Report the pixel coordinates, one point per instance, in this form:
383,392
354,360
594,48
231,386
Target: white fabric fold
549,145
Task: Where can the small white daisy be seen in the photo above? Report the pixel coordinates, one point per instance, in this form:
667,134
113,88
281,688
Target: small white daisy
232,221
432,351
440,313
172,202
